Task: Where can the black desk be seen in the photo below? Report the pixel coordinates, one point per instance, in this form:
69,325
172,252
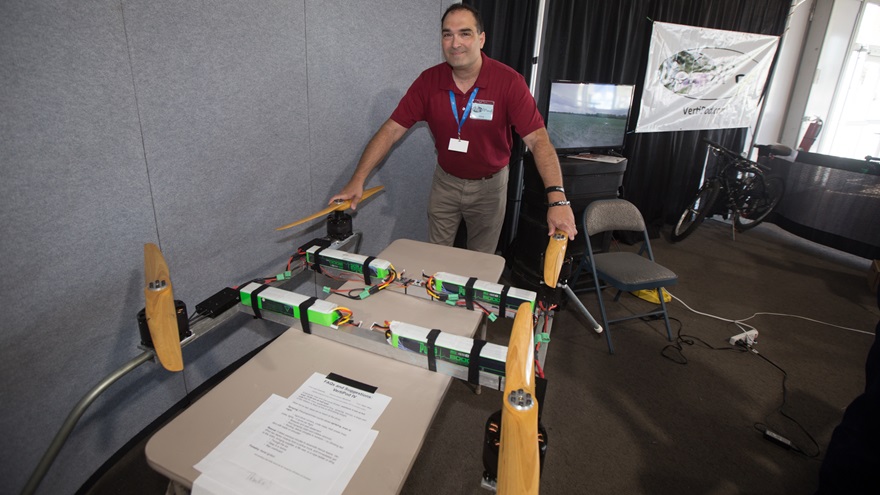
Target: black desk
831,201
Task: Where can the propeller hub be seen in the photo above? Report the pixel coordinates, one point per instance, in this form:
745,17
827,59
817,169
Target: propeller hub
520,400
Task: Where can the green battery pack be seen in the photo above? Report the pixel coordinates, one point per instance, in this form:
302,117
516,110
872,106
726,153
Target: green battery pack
448,347
485,293
341,261
287,303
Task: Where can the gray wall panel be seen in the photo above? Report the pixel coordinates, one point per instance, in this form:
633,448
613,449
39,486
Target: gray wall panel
198,125
221,92
362,58
75,213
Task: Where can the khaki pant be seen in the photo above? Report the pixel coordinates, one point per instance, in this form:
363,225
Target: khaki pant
480,203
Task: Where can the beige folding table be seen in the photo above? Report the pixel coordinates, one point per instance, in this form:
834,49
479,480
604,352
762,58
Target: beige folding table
280,368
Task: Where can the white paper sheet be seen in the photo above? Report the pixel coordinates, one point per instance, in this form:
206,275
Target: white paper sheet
221,477
310,443
226,478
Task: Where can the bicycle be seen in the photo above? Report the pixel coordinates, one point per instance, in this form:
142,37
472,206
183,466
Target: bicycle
746,192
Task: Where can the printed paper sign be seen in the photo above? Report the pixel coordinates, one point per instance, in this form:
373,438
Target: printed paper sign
700,78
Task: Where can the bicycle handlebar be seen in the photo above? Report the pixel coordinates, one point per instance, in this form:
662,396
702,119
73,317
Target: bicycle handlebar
739,158
727,152
769,149
720,148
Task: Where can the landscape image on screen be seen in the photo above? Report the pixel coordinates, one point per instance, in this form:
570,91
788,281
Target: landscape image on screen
584,116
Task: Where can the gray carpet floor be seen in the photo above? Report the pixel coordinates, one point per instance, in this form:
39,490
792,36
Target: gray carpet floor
661,417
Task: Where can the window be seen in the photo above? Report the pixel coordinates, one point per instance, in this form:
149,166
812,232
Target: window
843,112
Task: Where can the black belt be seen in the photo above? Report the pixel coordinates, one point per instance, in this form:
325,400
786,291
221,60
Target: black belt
482,178
478,178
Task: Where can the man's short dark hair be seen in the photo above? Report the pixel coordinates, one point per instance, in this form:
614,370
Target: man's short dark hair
460,6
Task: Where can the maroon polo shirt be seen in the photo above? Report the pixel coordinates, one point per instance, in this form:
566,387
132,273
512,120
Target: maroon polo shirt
500,88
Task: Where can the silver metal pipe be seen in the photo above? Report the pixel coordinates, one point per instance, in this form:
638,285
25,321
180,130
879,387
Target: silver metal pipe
74,416
577,302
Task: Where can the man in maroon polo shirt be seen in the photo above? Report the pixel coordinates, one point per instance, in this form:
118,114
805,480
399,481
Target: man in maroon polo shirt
470,103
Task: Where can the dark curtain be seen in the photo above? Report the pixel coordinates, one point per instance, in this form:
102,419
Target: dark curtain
607,41
510,31
510,38
510,28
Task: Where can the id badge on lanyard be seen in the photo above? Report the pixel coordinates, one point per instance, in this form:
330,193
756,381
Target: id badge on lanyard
457,144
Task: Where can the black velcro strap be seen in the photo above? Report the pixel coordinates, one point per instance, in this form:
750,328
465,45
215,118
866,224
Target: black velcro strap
316,263
367,262
474,362
469,293
502,302
432,358
255,301
304,313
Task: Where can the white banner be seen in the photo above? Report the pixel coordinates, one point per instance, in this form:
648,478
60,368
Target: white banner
699,78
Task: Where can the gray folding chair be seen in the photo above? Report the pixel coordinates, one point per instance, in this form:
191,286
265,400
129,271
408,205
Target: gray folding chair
625,271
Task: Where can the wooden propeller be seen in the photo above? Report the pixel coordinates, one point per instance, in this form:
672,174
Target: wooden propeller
339,205
161,315
554,257
519,460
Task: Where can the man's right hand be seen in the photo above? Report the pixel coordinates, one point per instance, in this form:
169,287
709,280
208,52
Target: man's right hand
375,152
350,191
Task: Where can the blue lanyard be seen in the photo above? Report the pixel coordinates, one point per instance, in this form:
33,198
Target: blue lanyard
467,109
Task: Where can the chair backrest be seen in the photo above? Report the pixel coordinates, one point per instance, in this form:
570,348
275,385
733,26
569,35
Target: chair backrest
612,214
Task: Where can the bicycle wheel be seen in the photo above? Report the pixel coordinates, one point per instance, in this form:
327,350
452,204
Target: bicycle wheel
696,211
757,201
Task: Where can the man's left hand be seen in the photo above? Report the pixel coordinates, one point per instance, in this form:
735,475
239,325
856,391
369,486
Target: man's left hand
561,218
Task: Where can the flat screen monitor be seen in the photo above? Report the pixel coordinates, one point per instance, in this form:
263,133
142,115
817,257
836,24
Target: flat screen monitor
588,116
